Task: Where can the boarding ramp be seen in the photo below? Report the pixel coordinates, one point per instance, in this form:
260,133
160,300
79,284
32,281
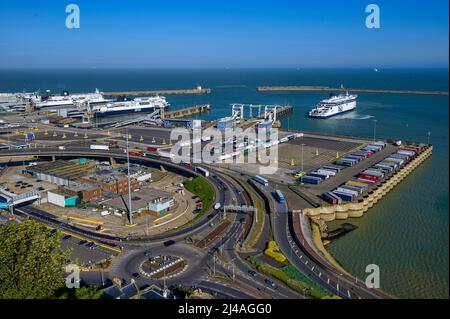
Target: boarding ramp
153,118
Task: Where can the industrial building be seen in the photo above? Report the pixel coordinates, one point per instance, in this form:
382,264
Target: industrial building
62,173
111,181
85,192
152,201
62,198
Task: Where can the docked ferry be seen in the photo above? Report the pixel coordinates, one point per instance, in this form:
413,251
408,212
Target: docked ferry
334,105
138,105
69,100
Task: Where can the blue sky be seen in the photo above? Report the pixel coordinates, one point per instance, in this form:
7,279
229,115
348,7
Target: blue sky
223,33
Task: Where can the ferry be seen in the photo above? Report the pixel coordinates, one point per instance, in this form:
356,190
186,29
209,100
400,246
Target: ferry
334,105
137,105
70,100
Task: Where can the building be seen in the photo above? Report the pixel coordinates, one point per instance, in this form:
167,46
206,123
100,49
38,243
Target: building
111,181
85,192
160,205
152,201
62,198
62,173
132,291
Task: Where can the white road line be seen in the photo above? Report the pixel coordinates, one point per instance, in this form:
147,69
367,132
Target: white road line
348,293
328,280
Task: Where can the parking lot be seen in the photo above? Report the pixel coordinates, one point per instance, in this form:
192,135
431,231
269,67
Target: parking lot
85,252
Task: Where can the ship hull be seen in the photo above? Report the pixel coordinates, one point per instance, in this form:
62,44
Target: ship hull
123,112
337,110
331,115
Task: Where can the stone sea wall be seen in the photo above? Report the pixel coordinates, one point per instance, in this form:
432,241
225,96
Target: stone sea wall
357,209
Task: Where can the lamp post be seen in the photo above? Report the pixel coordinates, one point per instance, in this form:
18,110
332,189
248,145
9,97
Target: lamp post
130,217
302,156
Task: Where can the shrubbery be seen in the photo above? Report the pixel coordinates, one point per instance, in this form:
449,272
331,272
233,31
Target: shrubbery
274,252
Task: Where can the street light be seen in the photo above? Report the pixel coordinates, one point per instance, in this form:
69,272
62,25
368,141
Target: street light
302,156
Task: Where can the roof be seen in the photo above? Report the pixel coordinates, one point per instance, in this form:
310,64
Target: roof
113,291
126,292
139,199
129,291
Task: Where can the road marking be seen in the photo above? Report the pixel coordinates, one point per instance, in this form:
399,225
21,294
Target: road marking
320,274
328,280
348,293
99,244
95,222
158,219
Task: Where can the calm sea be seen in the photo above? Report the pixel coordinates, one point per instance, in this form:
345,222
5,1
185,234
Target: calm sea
406,234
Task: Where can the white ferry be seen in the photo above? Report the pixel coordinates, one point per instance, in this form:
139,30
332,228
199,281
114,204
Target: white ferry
68,100
138,105
334,105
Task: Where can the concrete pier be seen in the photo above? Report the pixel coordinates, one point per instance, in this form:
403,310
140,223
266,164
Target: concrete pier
198,90
186,111
280,111
327,88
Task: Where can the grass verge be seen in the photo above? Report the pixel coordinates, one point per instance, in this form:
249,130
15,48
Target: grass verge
292,278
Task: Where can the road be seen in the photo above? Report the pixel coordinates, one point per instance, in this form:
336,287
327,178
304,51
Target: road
127,266
300,255
304,258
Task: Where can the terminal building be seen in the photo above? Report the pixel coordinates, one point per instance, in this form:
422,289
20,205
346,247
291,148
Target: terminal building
152,201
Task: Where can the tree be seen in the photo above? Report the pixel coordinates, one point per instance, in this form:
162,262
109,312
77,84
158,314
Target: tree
31,261
91,292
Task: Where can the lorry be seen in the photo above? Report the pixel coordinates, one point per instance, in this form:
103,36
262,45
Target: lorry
261,180
135,152
202,171
99,147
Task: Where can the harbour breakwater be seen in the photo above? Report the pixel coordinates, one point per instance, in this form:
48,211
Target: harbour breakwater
357,209
342,89
198,90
